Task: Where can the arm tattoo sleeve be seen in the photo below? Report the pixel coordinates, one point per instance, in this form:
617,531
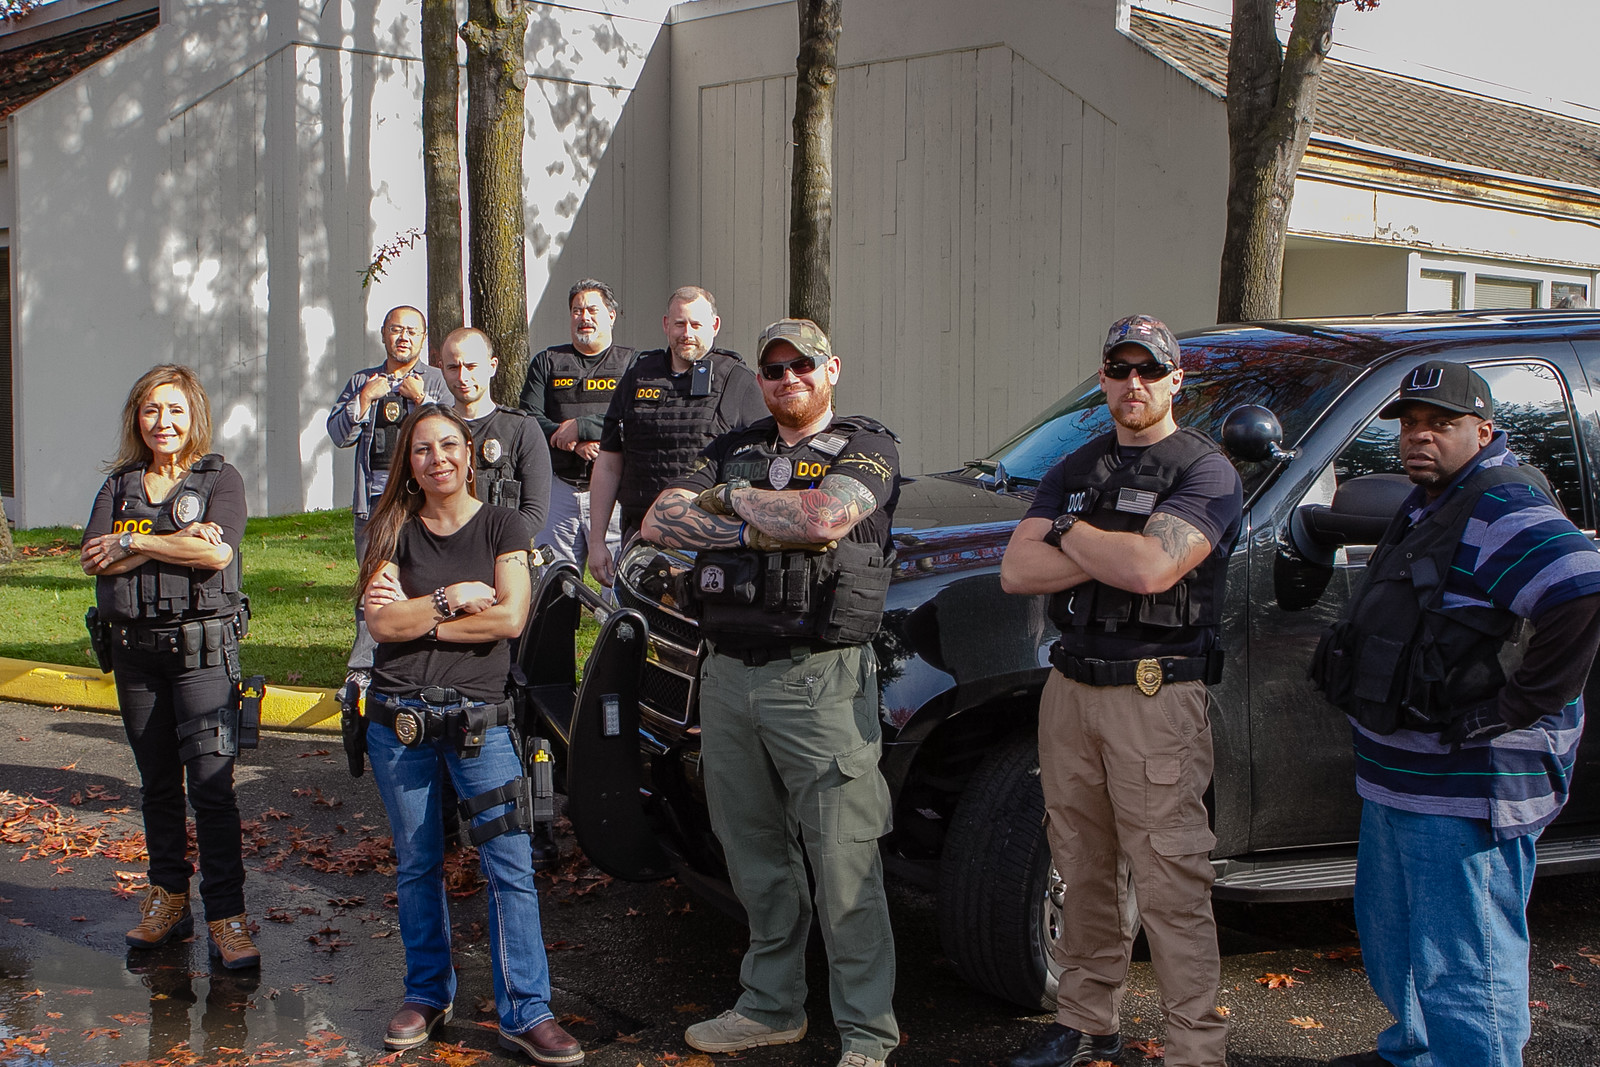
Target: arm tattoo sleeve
1178,539
797,515
682,525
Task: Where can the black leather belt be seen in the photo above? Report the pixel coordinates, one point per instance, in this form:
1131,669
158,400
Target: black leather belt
447,715
760,657
1148,674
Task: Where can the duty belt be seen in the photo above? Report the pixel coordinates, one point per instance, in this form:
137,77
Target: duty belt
1148,674
760,657
446,714
145,637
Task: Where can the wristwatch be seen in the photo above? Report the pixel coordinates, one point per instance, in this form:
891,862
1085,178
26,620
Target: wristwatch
125,542
1059,528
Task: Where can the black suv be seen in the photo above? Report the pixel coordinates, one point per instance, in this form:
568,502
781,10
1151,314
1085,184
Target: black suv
963,663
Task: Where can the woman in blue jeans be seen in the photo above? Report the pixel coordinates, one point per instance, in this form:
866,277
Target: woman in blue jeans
445,585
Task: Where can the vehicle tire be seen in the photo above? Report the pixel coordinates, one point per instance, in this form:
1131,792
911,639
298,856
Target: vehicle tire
1000,901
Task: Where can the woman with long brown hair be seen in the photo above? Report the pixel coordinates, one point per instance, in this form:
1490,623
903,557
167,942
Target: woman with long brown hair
163,545
445,586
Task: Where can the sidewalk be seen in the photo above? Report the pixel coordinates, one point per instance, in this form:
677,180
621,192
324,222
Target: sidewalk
284,707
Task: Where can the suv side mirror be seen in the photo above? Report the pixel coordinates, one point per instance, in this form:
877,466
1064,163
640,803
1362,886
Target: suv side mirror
1253,433
1362,509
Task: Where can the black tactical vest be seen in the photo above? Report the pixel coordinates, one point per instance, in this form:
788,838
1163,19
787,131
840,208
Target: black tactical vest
494,445
1098,620
752,599
1398,658
666,424
580,385
388,412
157,590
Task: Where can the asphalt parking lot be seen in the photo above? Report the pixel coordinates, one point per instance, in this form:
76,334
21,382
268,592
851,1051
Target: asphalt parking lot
632,964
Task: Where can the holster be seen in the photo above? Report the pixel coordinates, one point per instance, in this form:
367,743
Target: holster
99,638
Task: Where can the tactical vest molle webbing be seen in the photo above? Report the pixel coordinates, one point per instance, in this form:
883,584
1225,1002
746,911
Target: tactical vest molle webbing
157,590
387,413
835,596
580,385
1112,495
666,426
1399,658
495,438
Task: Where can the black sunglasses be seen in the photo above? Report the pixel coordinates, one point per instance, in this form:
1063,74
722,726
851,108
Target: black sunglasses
1153,371
801,365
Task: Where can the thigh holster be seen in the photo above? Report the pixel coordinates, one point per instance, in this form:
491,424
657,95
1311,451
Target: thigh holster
532,797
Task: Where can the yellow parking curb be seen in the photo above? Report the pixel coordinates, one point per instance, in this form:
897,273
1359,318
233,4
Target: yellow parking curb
285,707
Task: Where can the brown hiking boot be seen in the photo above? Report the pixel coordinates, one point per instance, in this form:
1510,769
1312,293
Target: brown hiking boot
163,916
230,943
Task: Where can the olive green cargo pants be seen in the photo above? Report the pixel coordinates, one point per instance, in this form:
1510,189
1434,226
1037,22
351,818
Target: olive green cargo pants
790,752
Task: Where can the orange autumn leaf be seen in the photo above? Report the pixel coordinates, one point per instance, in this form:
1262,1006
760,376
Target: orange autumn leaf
1304,1022
1152,1049
1277,981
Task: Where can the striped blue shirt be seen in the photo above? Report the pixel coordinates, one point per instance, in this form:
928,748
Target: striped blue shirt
1521,554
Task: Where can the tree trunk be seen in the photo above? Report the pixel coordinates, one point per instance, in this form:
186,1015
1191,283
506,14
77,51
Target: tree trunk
1272,100
441,170
8,551
496,77
811,187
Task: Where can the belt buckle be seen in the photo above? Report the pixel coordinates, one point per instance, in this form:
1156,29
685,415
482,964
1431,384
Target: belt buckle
1147,676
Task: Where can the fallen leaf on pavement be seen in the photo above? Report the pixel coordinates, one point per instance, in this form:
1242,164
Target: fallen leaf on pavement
1152,1049
1304,1022
1277,981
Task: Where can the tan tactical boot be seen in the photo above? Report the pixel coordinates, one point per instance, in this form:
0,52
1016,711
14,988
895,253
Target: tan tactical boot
230,943
164,915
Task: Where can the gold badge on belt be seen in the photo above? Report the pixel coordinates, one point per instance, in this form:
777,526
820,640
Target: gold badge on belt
1147,676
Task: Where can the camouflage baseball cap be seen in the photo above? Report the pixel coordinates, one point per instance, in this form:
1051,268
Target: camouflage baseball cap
1150,334
804,334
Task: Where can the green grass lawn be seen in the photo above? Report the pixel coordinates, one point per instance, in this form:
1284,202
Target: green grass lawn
298,570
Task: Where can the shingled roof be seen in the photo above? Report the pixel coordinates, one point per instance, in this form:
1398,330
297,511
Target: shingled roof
30,70
1404,114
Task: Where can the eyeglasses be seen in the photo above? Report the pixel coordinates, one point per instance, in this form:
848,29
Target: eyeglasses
404,331
801,365
1153,371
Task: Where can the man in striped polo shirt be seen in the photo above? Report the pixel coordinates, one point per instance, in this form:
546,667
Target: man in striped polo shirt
1461,661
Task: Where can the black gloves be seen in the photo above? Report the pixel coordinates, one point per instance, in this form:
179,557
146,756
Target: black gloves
1480,722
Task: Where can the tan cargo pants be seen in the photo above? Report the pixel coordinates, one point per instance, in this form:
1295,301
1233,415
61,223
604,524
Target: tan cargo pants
1123,772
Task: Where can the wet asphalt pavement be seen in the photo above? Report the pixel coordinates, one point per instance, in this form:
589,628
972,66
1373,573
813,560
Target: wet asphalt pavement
631,964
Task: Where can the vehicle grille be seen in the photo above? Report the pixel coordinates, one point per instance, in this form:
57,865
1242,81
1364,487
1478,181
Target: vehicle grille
665,693
671,629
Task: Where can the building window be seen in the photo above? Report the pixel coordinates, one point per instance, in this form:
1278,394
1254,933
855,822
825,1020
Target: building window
1439,290
1504,293
1568,295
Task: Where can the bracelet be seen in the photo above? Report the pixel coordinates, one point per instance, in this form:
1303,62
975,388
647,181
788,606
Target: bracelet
441,603
743,526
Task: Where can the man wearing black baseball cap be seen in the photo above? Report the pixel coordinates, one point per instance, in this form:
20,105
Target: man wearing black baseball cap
1130,535
1463,751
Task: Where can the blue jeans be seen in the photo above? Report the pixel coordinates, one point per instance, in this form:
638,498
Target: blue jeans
410,781
1441,907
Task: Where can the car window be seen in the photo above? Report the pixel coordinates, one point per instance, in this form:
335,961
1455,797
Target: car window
1217,379
1530,405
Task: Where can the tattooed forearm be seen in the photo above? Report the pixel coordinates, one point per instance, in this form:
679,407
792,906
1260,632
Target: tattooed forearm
1177,538
676,523
825,513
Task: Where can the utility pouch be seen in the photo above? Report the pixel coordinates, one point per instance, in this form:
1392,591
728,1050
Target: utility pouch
191,643
214,634
507,493
241,619
729,578
99,638
471,724
542,769
228,730
250,695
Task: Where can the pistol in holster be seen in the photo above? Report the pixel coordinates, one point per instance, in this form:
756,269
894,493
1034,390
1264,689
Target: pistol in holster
99,638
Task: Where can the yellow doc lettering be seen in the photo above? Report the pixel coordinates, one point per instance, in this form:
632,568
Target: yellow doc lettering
648,392
563,383
600,385
140,526
810,470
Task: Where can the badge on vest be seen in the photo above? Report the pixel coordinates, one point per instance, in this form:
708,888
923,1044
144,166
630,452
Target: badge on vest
391,411
1136,501
780,471
186,508
712,579
492,450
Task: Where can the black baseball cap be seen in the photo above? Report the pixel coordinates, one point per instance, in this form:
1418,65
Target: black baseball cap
1451,386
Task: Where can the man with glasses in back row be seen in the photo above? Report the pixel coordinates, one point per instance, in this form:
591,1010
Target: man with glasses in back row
1130,535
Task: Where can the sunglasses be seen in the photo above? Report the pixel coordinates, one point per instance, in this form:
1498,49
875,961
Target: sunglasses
1153,371
801,365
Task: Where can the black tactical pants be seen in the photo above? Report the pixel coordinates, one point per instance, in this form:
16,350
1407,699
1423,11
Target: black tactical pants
156,693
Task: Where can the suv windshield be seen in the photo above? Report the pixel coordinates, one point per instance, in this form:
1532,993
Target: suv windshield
1217,379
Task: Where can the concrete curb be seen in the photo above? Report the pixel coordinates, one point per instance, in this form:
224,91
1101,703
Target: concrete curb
285,707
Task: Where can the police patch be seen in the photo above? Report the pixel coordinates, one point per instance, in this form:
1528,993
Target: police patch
712,579
780,471
492,450
186,508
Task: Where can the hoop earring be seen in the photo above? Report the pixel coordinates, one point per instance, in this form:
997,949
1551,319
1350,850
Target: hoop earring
412,488
471,476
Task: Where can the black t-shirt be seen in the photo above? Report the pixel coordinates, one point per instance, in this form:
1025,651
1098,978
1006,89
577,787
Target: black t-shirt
427,561
529,459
